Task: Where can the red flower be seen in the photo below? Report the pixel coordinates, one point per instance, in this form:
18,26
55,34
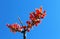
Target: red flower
42,16
8,25
37,22
37,11
28,22
20,28
31,16
24,27
28,29
40,9
14,27
44,13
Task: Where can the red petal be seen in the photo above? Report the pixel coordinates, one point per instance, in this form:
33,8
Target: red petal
28,30
24,26
37,11
42,16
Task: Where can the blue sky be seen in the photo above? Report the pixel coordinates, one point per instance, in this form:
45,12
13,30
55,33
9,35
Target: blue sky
49,27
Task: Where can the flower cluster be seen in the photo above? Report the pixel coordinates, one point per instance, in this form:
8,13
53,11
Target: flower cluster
35,19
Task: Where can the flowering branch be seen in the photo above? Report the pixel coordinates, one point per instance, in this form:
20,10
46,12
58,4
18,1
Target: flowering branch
35,19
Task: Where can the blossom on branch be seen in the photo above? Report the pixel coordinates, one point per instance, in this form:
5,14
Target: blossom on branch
35,19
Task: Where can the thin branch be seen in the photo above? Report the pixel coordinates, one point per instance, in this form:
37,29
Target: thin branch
20,21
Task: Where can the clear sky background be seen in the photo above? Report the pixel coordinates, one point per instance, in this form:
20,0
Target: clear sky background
49,27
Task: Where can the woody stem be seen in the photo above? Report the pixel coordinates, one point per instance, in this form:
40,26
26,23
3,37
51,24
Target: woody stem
24,34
